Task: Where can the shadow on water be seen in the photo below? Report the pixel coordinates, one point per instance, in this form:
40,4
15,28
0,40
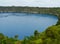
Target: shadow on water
24,14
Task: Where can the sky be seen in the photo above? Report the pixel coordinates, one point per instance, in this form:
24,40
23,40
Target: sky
32,3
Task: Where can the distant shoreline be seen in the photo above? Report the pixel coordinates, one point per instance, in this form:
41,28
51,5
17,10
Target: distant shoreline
38,10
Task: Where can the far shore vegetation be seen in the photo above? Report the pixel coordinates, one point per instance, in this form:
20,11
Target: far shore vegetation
50,36
41,10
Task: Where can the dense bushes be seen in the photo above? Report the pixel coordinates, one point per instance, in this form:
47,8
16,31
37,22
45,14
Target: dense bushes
50,36
58,22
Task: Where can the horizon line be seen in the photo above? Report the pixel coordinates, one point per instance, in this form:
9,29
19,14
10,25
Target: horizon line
33,6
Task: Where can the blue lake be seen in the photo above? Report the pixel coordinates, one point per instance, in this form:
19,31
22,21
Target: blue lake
24,24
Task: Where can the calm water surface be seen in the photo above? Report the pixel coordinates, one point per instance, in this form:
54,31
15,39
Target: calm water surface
24,24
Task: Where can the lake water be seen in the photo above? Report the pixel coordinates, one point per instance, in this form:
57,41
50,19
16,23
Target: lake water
24,24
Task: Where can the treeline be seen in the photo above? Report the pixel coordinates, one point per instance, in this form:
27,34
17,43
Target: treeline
50,36
28,9
24,9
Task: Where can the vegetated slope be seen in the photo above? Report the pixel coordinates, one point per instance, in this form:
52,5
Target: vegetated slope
43,10
50,36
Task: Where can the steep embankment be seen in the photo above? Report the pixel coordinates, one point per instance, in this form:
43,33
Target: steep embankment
41,10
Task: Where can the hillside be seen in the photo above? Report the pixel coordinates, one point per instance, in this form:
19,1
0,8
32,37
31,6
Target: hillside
40,10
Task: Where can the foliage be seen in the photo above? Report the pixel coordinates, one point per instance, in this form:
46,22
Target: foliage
58,22
50,36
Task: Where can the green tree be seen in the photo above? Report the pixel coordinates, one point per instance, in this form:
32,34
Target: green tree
16,37
36,34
